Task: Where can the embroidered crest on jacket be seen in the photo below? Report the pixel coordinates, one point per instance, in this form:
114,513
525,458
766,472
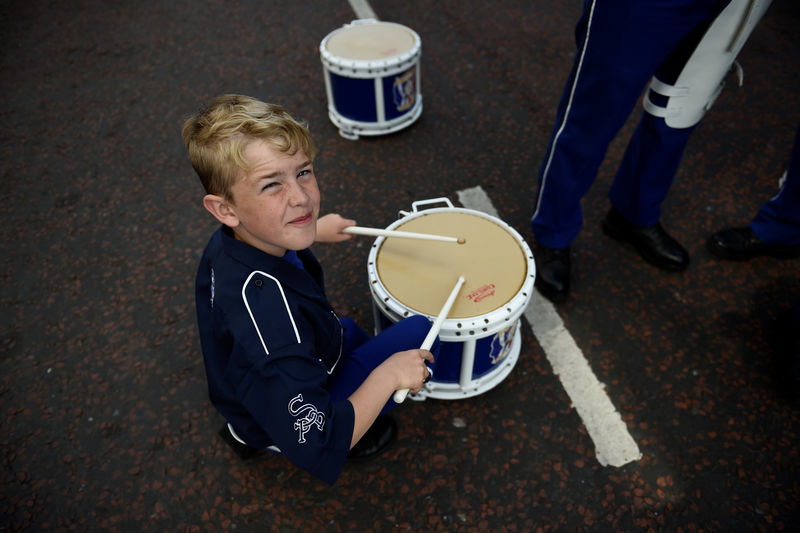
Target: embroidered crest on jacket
307,417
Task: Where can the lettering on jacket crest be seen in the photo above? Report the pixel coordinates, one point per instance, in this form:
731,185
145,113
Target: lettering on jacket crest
308,416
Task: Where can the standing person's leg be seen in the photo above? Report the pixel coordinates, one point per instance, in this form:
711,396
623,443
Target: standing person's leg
655,150
775,230
611,69
778,220
650,163
642,183
620,46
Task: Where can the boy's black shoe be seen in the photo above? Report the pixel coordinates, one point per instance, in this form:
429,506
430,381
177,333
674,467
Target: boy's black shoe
242,450
378,438
653,243
741,244
552,272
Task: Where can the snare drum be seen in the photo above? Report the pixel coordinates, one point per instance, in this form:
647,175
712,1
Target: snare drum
372,77
480,339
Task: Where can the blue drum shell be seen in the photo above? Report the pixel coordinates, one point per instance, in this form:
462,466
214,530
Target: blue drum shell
354,98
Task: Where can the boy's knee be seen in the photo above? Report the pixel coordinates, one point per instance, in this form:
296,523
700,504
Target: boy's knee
417,322
418,327
347,322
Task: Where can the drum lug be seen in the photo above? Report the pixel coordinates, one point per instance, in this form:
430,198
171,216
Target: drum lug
350,135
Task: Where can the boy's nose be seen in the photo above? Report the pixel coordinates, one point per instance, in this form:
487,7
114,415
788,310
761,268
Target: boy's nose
297,195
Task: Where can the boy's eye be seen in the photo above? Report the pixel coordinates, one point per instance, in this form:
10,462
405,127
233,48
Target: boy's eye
304,172
270,185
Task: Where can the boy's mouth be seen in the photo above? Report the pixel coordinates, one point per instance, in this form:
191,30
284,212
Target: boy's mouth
301,221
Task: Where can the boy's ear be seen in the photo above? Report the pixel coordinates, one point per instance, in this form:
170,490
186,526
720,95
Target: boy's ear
221,209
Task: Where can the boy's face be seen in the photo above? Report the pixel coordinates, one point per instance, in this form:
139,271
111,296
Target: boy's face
276,203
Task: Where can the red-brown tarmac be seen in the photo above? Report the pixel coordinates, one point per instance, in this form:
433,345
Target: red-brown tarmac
106,423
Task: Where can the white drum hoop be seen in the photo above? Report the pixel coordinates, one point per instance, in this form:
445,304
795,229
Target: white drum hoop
455,329
362,68
352,129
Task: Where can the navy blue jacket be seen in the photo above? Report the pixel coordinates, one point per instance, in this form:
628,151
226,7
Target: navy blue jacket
271,342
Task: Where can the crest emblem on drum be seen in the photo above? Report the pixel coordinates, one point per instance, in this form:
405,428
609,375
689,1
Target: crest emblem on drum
404,90
501,344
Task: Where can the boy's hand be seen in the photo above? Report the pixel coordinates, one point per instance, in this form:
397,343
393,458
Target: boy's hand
330,226
403,370
410,368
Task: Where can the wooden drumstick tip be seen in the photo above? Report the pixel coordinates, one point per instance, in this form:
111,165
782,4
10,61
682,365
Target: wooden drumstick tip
461,240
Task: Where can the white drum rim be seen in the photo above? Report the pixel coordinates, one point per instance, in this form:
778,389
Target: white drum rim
356,127
367,68
465,328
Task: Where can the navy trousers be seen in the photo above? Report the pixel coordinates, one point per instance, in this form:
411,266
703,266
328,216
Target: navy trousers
621,45
778,220
364,353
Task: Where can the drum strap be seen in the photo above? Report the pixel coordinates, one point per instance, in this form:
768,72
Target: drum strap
702,78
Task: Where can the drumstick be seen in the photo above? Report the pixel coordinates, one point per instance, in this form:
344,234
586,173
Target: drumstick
374,232
400,395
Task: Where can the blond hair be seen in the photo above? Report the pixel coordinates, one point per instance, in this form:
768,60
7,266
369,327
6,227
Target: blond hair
218,135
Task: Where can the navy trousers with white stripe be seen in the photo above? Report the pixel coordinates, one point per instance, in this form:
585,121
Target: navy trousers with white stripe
621,45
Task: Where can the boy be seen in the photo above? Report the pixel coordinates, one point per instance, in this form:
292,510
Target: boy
282,368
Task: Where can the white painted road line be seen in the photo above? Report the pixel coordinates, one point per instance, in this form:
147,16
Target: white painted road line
362,9
613,443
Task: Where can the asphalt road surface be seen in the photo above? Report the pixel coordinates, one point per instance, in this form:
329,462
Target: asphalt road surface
106,422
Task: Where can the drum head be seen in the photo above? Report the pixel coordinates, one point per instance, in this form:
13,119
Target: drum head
420,274
369,42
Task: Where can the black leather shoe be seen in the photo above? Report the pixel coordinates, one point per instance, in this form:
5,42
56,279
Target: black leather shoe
378,438
742,243
653,243
552,272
